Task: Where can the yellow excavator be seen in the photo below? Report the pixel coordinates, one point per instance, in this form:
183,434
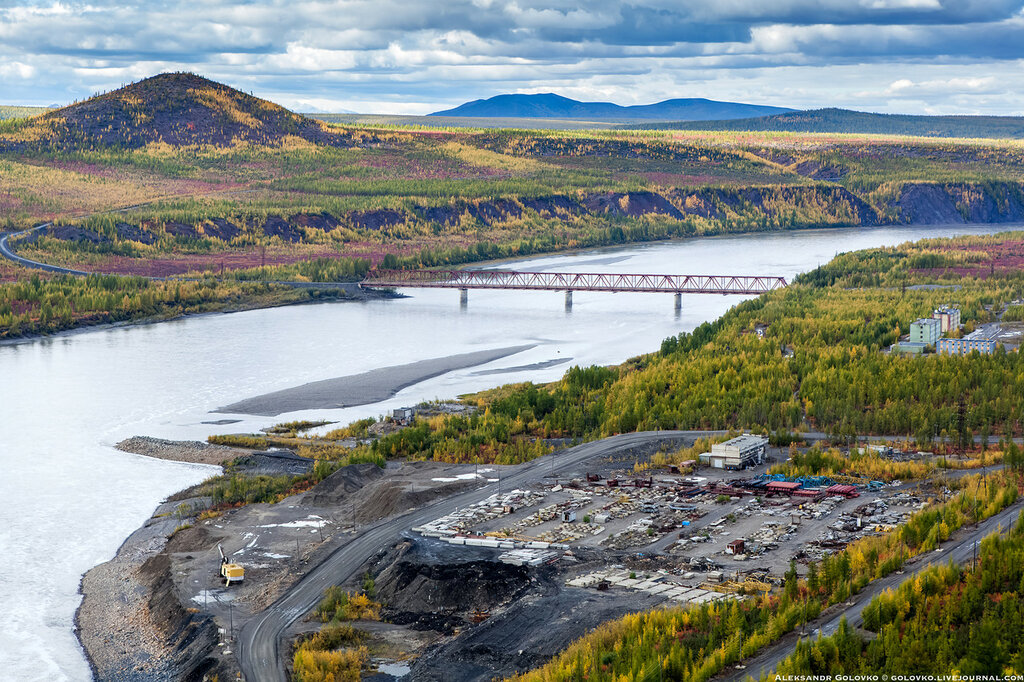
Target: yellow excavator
231,572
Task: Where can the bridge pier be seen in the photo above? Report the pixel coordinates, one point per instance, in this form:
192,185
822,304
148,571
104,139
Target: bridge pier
679,305
568,300
463,299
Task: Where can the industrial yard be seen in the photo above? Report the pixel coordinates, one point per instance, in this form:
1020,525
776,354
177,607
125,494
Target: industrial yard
710,532
473,561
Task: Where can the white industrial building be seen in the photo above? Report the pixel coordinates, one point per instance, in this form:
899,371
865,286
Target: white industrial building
737,453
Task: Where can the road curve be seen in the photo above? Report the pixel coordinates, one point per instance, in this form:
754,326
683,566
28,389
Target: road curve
6,252
259,640
960,552
351,288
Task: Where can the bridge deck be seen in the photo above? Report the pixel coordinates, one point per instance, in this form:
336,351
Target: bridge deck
572,281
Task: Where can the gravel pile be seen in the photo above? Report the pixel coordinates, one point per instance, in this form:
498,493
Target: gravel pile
193,451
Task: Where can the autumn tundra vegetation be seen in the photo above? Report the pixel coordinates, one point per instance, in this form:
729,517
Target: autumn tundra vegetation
179,176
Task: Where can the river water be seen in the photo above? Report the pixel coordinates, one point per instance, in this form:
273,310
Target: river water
69,498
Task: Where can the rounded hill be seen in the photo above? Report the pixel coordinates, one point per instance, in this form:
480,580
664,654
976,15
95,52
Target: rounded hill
178,109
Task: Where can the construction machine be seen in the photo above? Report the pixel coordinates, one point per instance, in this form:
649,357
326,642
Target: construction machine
231,572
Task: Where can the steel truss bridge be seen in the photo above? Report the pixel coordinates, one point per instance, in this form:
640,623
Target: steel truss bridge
572,281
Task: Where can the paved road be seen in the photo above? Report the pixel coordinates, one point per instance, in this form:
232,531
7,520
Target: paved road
960,552
7,253
260,639
352,288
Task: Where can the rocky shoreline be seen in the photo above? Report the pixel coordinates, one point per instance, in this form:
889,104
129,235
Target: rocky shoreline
131,624
158,610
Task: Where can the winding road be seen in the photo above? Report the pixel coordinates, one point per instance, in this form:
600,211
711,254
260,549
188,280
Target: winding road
259,641
6,252
351,288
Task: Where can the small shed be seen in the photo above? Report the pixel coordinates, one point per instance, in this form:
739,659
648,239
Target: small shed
568,517
735,547
402,415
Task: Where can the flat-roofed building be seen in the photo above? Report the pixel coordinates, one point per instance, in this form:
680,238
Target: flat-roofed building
965,346
949,318
737,453
926,331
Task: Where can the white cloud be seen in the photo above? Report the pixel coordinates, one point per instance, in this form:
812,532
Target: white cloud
409,55
17,70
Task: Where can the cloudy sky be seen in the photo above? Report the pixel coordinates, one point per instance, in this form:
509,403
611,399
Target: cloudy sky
417,56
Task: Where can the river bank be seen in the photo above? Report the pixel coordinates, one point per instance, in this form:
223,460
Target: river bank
157,611
131,624
352,293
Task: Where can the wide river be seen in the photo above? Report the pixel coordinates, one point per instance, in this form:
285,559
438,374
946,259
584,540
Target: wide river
69,498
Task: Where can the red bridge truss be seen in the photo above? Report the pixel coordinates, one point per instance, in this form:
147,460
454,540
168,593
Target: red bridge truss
572,281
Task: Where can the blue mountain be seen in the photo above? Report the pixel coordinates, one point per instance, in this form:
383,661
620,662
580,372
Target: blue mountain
550,105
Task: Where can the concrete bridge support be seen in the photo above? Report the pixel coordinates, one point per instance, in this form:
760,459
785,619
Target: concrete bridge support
568,300
679,305
463,299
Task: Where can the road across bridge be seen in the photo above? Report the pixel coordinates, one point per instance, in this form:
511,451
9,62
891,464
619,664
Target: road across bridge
572,281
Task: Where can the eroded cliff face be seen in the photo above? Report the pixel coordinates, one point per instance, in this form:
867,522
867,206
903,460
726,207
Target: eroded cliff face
132,623
691,211
190,638
933,204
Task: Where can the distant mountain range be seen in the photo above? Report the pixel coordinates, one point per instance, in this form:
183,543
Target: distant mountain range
555,106
847,121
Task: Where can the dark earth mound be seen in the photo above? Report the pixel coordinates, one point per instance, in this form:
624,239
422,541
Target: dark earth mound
336,488
431,588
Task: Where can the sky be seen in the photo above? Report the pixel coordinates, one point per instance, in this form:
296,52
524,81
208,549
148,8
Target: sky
418,56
